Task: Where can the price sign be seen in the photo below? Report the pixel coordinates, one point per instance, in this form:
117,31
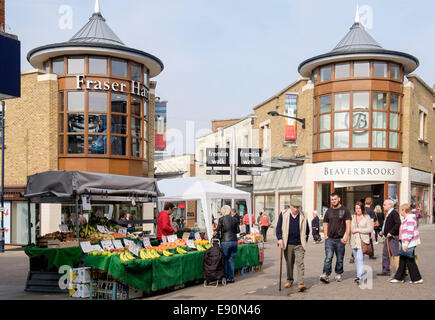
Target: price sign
101,229
86,246
186,236
191,244
107,231
117,244
127,242
172,238
134,249
123,231
63,228
107,244
164,239
197,236
96,247
146,242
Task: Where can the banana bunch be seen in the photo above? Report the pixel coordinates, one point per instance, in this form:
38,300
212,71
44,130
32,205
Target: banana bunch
166,253
149,254
181,250
207,246
200,247
126,256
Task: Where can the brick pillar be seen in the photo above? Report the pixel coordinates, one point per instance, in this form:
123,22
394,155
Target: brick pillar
2,15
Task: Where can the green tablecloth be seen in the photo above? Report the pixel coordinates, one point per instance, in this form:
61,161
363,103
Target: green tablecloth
56,257
165,272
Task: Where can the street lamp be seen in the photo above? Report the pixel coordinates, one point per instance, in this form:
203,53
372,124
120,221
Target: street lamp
274,114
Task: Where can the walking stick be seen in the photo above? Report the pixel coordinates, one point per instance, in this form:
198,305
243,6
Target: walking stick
389,256
280,270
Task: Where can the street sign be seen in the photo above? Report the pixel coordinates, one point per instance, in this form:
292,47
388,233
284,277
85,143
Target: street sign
248,157
248,173
10,67
218,172
218,157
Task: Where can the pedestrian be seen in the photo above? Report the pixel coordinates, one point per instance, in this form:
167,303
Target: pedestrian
361,229
164,227
379,222
259,217
292,231
130,226
246,222
227,231
264,225
235,215
390,230
368,209
336,228
315,227
410,239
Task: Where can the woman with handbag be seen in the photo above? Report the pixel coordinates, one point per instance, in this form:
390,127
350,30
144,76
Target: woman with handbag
361,229
410,238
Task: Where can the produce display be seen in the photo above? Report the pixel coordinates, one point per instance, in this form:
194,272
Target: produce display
97,236
252,238
63,237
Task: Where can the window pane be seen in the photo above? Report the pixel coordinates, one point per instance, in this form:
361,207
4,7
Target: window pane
98,101
76,144
341,101
119,68
361,100
97,144
361,69
395,71
315,142
58,66
380,101
325,73
145,124
394,102
135,126
97,65
135,147
61,101
61,144
380,69
360,139
76,122
325,141
342,70
361,120
61,123
325,104
379,120
136,72
341,139
394,121
135,106
394,144
379,139
145,78
118,145
76,101
76,65
97,123
119,103
47,66
325,122
341,120
145,108
315,76
145,154
315,125
119,124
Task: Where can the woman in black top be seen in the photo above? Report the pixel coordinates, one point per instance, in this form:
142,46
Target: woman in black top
380,219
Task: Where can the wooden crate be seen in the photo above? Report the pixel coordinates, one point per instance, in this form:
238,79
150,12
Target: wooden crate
48,243
69,244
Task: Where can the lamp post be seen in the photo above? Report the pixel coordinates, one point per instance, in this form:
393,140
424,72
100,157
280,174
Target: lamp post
275,114
2,230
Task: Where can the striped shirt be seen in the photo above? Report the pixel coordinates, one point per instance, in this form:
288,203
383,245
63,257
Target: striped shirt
408,232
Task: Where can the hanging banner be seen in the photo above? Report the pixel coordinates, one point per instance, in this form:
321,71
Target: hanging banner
160,125
248,157
217,157
290,110
7,222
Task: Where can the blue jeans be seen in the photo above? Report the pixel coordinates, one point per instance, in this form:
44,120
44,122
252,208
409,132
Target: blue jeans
333,246
359,261
229,249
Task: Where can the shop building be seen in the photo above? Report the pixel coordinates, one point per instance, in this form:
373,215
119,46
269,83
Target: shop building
367,130
87,106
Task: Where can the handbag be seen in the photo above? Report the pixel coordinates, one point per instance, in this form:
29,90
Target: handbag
408,253
366,248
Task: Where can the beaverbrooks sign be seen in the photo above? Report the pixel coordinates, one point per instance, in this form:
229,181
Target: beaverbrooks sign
136,87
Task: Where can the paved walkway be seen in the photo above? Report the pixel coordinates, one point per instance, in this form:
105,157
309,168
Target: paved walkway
264,285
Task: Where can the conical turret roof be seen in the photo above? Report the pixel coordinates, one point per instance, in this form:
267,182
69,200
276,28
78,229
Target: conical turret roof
357,39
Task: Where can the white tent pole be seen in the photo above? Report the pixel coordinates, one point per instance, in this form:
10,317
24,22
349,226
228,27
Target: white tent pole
248,209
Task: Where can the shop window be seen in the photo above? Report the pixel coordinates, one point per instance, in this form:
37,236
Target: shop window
341,120
360,139
420,198
76,144
379,139
97,65
135,126
97,123
135,106
58,66
379,101
76,101
135,147
136,72
119,103
361,100
325,122
341,102
97,144
322,198
98,101
394,141
325,140
119,68
119,124
342,70
341,139
325,104
259,205
380,69
76,122
325,73
76,65
379,120
394,102
394,121
118,146
395,71
361,69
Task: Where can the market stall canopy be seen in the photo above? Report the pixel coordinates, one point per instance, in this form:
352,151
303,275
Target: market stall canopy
66,185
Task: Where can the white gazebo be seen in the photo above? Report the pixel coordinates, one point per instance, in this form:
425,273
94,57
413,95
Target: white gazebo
184,189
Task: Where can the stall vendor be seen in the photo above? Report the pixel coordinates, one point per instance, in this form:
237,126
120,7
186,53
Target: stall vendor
164,227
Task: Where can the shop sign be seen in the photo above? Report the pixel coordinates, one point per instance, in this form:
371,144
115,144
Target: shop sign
248,157
358,171
218,157
218,172
136,87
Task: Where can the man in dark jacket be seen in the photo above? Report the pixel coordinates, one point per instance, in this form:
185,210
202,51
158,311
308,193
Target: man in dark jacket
227,231
315,226
391,231
235,215
368,208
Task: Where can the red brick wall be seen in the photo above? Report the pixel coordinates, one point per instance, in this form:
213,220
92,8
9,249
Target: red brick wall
215,124
2,15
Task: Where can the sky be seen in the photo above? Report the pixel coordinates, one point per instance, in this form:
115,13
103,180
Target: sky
223,57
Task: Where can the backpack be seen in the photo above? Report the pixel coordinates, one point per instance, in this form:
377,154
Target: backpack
214,267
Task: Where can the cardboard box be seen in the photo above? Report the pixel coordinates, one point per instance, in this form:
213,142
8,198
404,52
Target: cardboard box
80,290
80,275
134,293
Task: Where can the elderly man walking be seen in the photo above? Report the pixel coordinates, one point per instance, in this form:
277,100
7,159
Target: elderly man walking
292,231
391,231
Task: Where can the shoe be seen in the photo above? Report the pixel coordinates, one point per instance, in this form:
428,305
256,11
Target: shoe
396,281
376,242
324,278
356,280
288,284
372,257
351,260
231,281
338,278
417,282
302,287
383,274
